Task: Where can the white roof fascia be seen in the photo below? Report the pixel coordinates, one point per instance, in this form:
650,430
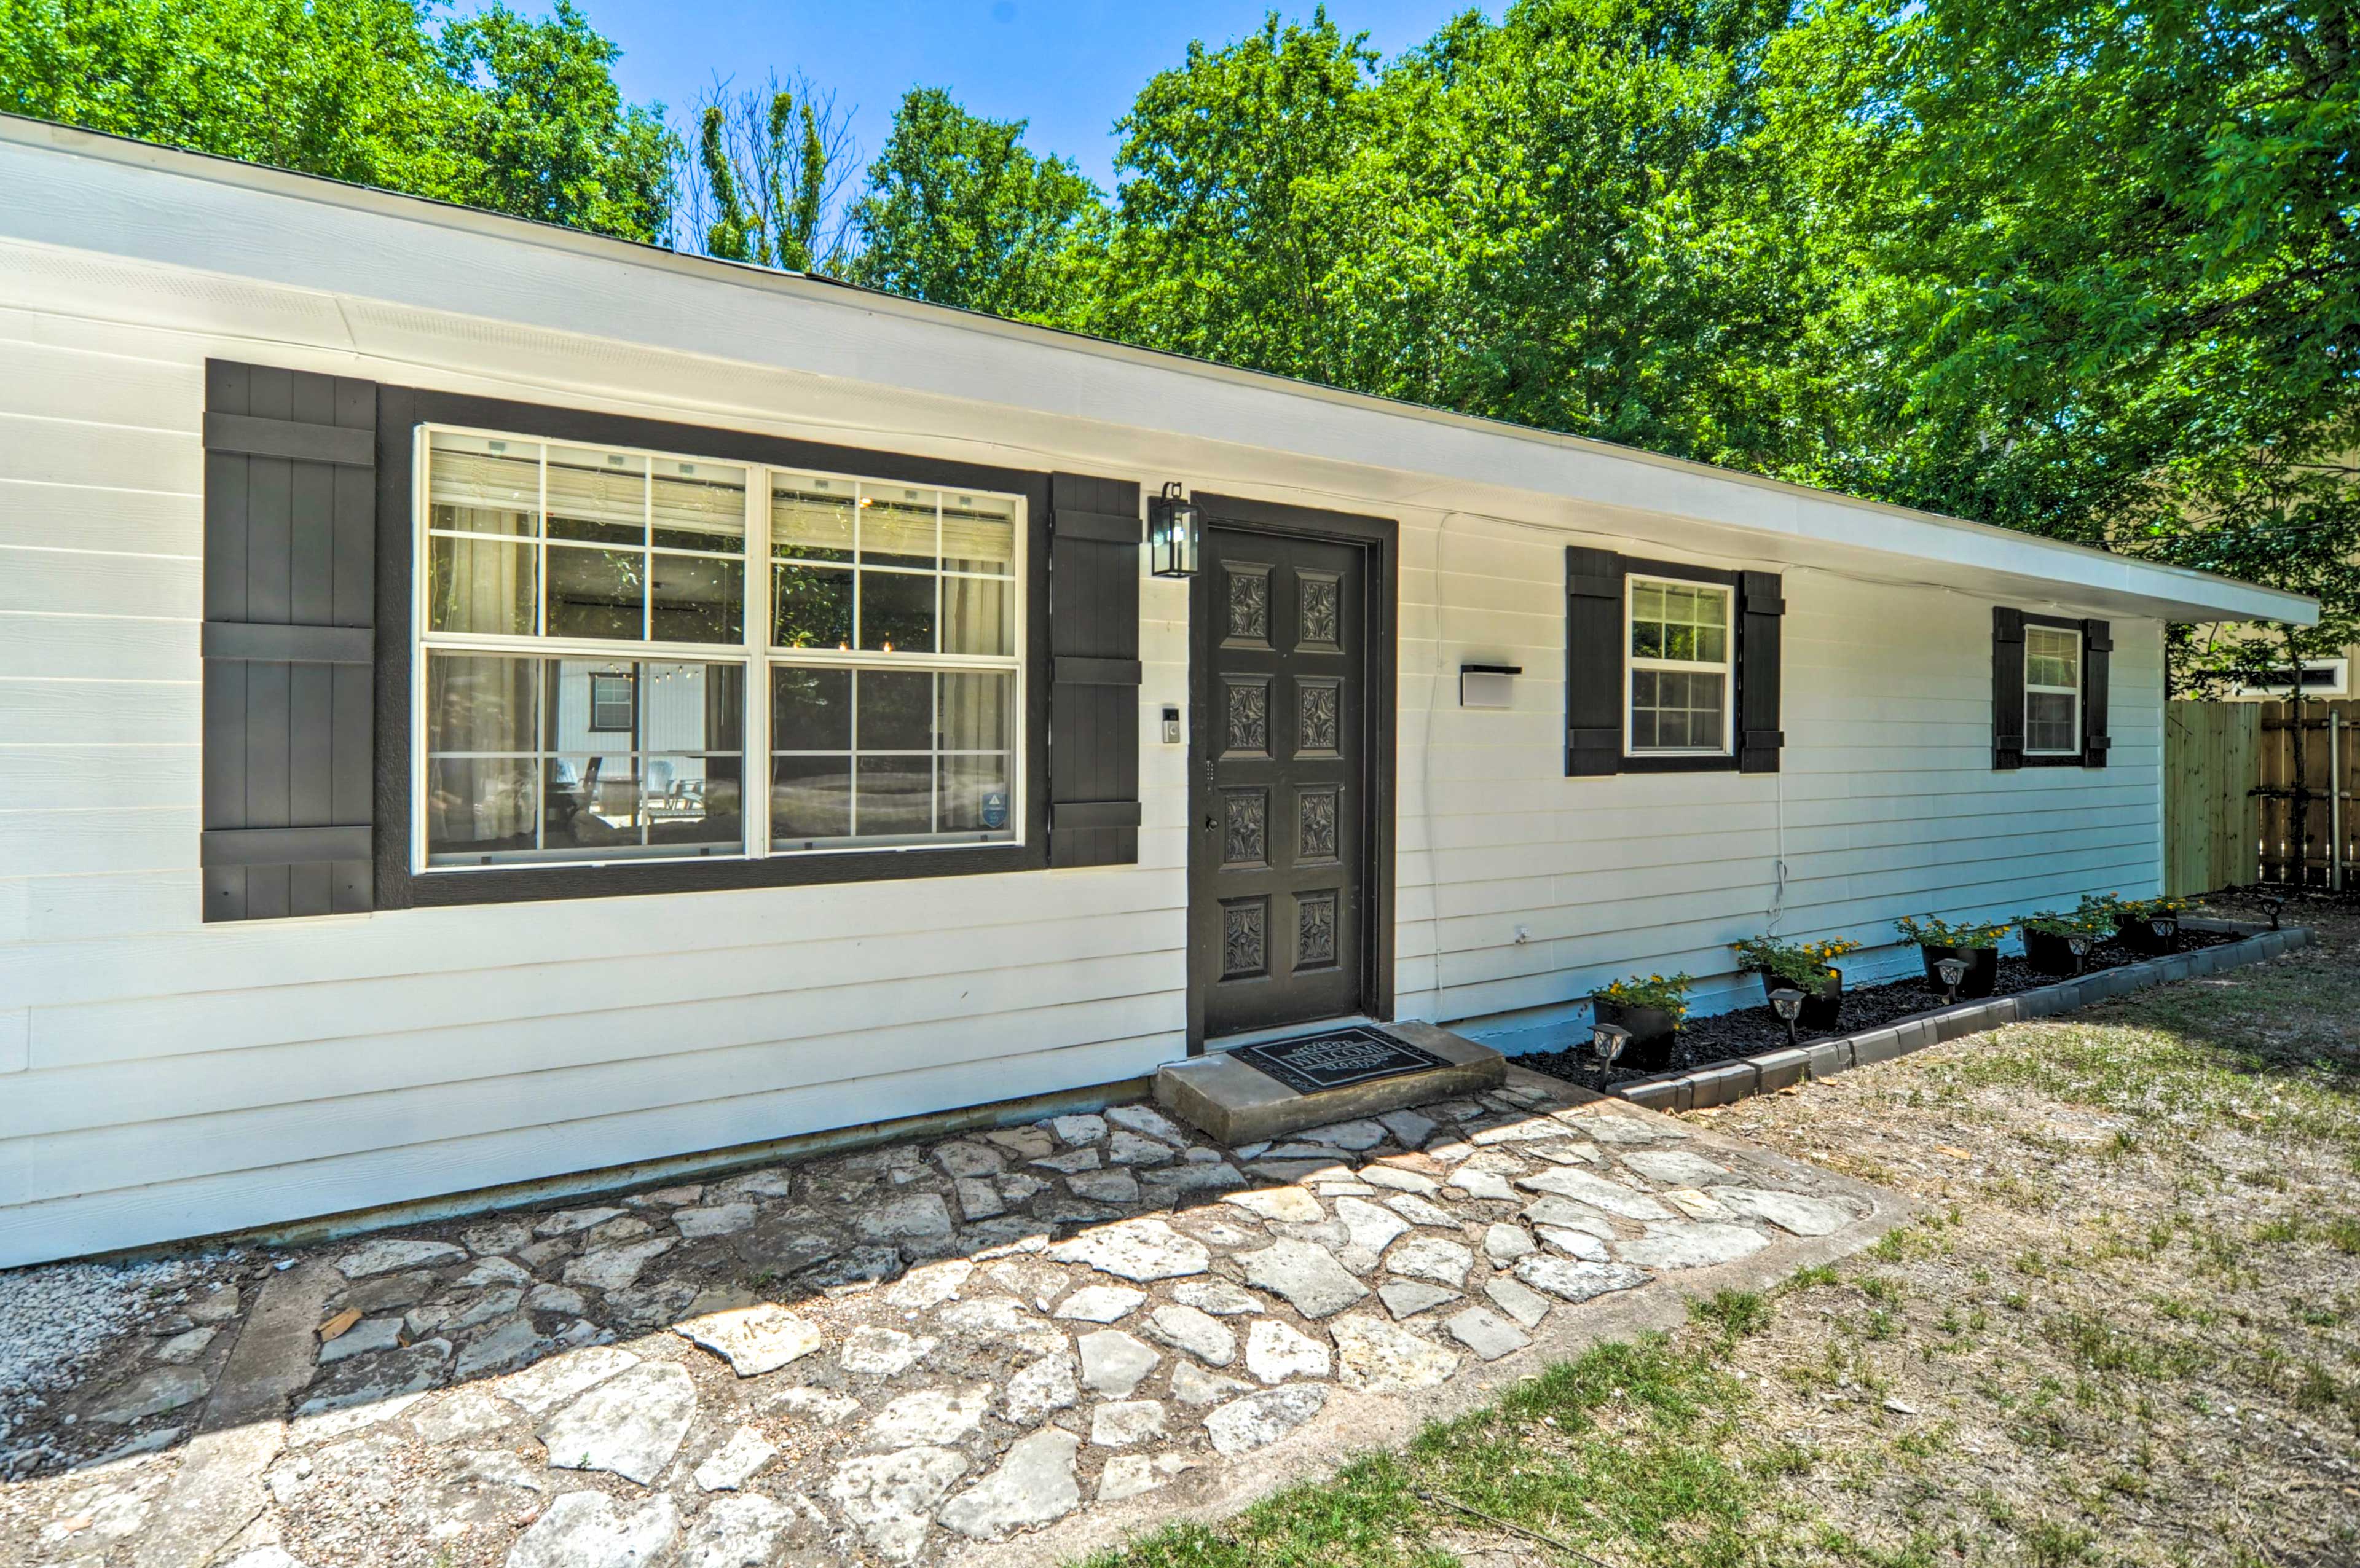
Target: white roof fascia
79,191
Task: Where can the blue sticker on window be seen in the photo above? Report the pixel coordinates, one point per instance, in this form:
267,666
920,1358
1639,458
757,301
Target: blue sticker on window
995,809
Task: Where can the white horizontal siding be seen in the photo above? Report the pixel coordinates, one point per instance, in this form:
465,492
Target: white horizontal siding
164,1078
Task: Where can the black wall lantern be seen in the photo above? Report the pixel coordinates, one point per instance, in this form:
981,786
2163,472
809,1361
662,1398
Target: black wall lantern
1174,524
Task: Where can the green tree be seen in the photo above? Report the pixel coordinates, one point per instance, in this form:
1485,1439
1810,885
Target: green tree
1578,219
496,111
2128,237
544,130
959,212
1227,230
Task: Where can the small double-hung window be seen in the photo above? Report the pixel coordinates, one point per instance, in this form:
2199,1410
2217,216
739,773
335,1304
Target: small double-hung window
636,655
1669,667
2052,692
2049,678
1681,656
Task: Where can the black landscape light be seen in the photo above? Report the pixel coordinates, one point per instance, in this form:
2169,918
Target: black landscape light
2272,905
1607,1041
1788,1003
2078,944
1173,528
1952,971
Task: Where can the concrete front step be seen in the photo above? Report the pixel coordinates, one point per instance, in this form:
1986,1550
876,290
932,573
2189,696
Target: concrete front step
1236,1103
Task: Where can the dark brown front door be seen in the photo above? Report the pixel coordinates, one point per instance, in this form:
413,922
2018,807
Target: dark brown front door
1277,895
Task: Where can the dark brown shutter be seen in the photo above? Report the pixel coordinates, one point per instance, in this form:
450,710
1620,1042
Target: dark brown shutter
290,583
1094,532
1762,616
2097,665
1593,661
2007,688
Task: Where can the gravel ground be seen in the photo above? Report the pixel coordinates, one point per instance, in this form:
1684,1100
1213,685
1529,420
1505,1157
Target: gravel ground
53,1320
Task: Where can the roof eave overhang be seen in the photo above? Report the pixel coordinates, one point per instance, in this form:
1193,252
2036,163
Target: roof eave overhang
80,190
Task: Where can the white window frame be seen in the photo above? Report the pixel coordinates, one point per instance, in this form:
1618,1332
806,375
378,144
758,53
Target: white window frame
754,654
1726,667
2340,686
2080,681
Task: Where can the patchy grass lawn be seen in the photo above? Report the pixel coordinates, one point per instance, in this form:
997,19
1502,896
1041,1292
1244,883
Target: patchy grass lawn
2128,1331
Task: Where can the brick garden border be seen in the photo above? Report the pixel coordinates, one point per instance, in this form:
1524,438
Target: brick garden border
1725,1082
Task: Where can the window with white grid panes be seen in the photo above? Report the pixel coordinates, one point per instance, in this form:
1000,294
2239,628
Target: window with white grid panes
2052,691
1680,657
607,637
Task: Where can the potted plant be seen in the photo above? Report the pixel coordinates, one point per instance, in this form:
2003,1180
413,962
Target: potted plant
1652,1010
2145,925
1975,945
1808,967
2048,937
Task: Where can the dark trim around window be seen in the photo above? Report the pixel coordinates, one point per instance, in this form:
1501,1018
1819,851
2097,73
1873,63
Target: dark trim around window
400,409
2009,697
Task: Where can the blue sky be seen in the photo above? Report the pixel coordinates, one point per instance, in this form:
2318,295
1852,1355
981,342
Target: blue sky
1071,67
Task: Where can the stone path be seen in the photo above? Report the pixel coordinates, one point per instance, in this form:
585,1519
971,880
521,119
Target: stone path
899,1356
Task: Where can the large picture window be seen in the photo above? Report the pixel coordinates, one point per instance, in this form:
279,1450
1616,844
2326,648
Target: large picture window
599,665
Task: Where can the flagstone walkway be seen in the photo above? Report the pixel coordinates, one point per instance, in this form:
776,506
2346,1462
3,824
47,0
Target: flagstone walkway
900,1355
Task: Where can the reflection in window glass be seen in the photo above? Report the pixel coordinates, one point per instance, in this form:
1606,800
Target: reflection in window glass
524,760
699,505
892,754
897,611
897,527
890,610
480,587
978,534
811,519
478,485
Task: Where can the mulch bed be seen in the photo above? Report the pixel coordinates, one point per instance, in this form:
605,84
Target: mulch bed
1726,1037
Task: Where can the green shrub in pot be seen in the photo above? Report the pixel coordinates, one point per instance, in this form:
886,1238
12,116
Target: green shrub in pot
1652,1008
1974,944
1808,967
2048,936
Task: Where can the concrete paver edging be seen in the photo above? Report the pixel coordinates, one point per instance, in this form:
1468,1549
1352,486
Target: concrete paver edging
1725,1082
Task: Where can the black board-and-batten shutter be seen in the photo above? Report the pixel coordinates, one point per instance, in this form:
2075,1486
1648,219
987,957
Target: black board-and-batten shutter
2007,688
1761,614
1593,661
1094,538
2097,673
289,646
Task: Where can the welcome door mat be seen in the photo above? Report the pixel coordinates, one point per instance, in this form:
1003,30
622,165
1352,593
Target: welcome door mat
1336,1059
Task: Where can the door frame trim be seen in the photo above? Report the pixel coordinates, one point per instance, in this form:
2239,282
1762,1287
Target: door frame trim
1380,803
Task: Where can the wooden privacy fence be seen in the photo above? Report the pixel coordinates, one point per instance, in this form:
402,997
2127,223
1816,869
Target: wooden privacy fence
2234,811
2212,820
2308,841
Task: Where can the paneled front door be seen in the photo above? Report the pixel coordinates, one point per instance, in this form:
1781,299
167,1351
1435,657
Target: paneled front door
1278,883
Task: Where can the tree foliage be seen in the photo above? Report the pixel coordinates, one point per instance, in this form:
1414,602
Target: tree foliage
2081,266
959,212
494,110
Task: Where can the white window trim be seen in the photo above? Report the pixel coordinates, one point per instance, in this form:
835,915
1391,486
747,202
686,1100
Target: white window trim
2081,679
755,654
1726,669
2340,686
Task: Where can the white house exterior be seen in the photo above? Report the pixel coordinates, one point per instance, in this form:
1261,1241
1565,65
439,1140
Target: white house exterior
216,1012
